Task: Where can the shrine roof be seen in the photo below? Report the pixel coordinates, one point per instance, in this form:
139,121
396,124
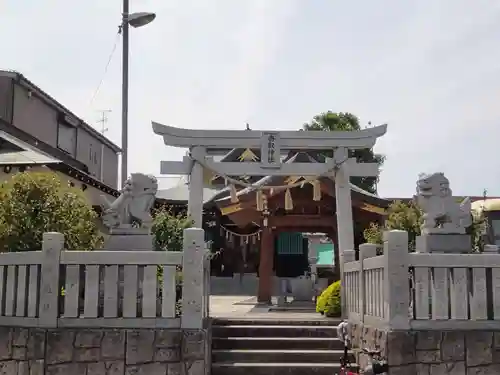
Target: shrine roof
180,194
220,195
300,157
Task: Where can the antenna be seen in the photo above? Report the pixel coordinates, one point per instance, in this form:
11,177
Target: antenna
104,120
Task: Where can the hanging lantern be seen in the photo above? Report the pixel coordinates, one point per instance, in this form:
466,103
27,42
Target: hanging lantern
234,194
288,200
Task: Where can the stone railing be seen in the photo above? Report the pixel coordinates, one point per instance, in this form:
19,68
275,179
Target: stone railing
56,288
429,313
402,290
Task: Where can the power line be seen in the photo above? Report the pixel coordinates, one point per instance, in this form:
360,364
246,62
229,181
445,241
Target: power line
110,58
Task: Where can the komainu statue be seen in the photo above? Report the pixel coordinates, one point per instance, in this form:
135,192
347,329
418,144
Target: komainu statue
133,207
442,212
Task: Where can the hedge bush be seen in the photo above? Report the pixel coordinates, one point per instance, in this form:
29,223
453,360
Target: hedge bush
328,302
33,203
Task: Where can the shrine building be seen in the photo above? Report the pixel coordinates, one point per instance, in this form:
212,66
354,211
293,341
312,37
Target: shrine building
300,215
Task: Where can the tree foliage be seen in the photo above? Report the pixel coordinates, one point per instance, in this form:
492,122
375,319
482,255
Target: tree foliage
409,217
34,203
344,121
402,216
478,230
168,230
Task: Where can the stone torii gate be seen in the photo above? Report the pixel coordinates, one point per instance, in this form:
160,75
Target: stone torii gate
202,143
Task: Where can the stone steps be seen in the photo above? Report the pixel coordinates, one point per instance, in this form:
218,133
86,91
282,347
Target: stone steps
326,322
234,368
277,355
267,343
268,346
273,331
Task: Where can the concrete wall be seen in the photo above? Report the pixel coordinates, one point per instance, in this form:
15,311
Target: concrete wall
26,351
432,352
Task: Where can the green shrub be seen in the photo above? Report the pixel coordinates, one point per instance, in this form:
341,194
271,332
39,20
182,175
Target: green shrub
168,229
38,202
328,302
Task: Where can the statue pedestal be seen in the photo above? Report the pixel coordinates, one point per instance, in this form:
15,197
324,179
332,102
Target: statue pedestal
444,243
302,289
491,249
129,239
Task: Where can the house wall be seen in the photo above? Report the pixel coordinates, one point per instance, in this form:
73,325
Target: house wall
89,150
33,114
6,99
34,117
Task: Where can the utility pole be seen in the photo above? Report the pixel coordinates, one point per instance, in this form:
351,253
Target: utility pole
103,121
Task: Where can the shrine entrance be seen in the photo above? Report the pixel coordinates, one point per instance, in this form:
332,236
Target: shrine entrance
201,167
297,217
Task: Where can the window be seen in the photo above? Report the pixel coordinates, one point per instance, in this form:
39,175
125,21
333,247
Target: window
66,138
92,155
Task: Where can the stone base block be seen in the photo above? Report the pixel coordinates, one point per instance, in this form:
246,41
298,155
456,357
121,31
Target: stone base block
444,243
129,242
435,352
101,351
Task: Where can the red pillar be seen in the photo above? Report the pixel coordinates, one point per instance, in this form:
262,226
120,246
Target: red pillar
265,291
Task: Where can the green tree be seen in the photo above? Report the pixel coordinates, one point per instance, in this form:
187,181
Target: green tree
402,216
168,230
478,230
344,121
34,203
409,217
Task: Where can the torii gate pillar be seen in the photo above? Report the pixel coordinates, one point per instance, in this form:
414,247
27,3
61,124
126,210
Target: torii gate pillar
345,225
195,203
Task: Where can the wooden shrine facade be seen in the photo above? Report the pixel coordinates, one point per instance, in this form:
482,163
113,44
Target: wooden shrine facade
305,215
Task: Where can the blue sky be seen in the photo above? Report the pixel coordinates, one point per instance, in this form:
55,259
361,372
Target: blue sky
430,69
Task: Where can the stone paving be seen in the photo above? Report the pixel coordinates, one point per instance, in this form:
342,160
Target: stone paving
239,307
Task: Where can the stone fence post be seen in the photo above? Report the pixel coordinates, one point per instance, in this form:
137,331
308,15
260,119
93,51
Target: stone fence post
366,250
53,244
396,282
193,261
348,256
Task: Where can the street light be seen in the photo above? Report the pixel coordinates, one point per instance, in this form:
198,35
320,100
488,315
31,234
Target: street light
135,20
140,19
